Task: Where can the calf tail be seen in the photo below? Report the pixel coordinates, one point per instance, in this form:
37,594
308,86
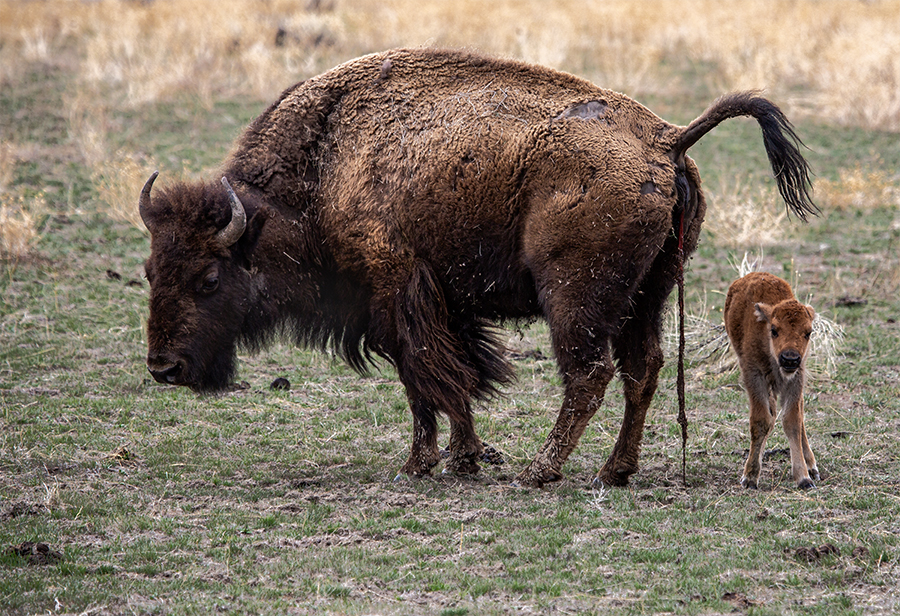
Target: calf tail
781,142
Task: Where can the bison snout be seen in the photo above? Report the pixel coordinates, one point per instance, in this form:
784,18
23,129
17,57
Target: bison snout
789,361
168,373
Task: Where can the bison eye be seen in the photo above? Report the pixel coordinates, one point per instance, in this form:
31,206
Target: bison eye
210,284
774,332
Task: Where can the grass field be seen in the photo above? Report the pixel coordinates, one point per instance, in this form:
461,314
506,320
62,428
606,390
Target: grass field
146,499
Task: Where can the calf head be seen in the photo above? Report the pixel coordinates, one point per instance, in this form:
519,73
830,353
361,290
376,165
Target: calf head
790,326
200,286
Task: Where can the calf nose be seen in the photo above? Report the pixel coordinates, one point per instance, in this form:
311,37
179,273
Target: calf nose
789,361
169,373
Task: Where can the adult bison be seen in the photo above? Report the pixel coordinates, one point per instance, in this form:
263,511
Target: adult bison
401,203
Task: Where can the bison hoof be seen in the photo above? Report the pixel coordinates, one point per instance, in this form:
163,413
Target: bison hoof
814,474
536,479
462,465
613,477
806,484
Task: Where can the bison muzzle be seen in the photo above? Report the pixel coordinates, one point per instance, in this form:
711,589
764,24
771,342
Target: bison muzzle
402,213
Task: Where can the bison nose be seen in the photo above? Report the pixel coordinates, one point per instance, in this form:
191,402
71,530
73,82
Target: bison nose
169,373
789,361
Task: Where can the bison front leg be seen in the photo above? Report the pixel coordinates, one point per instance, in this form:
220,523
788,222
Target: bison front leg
762,419
584,394
465,446
803,462
424,454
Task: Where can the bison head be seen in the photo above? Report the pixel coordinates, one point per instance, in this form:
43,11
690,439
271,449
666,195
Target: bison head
201,288
790,326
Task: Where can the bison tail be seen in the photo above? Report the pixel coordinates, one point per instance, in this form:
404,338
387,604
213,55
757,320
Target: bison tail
781,142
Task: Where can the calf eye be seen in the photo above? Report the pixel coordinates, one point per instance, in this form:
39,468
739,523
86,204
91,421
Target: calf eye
774,332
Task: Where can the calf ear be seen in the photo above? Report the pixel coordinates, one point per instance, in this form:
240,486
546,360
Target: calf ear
763,312
810,312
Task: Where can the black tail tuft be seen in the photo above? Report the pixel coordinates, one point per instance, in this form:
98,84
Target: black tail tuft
781,141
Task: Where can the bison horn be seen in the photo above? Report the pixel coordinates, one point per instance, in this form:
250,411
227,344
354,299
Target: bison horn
235,229
144,203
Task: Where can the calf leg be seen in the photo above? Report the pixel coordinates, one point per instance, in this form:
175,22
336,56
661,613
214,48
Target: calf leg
803,463
762,419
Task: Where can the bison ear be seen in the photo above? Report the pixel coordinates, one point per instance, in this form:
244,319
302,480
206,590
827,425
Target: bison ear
254,229
763,312
811,312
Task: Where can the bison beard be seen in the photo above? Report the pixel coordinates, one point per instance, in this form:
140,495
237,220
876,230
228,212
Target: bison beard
401,212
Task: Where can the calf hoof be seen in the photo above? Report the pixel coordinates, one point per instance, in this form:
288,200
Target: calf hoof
814,474
749,484
806,484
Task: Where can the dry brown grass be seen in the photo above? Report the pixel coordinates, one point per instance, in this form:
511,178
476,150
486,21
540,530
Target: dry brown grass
742,217
19,216
20,219
835,58
859,189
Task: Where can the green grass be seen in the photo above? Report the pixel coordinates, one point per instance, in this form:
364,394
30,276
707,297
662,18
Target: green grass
258,501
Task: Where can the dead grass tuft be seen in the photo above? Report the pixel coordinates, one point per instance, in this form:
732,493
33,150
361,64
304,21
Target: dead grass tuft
20,223
860,190
20,216
740,217
118,181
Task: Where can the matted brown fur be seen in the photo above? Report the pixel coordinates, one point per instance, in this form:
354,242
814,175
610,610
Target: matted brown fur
402,203
769,330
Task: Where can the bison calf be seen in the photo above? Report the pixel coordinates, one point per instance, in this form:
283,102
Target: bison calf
769,330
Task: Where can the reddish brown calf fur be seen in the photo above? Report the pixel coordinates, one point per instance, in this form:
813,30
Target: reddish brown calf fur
769,330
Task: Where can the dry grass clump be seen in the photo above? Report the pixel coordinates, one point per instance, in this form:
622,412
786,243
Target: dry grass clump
20,220
118,181
738,216
859,189
19,216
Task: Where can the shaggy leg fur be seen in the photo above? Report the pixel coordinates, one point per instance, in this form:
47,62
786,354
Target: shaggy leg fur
584,395
465,449
441,372
424,454
640,358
